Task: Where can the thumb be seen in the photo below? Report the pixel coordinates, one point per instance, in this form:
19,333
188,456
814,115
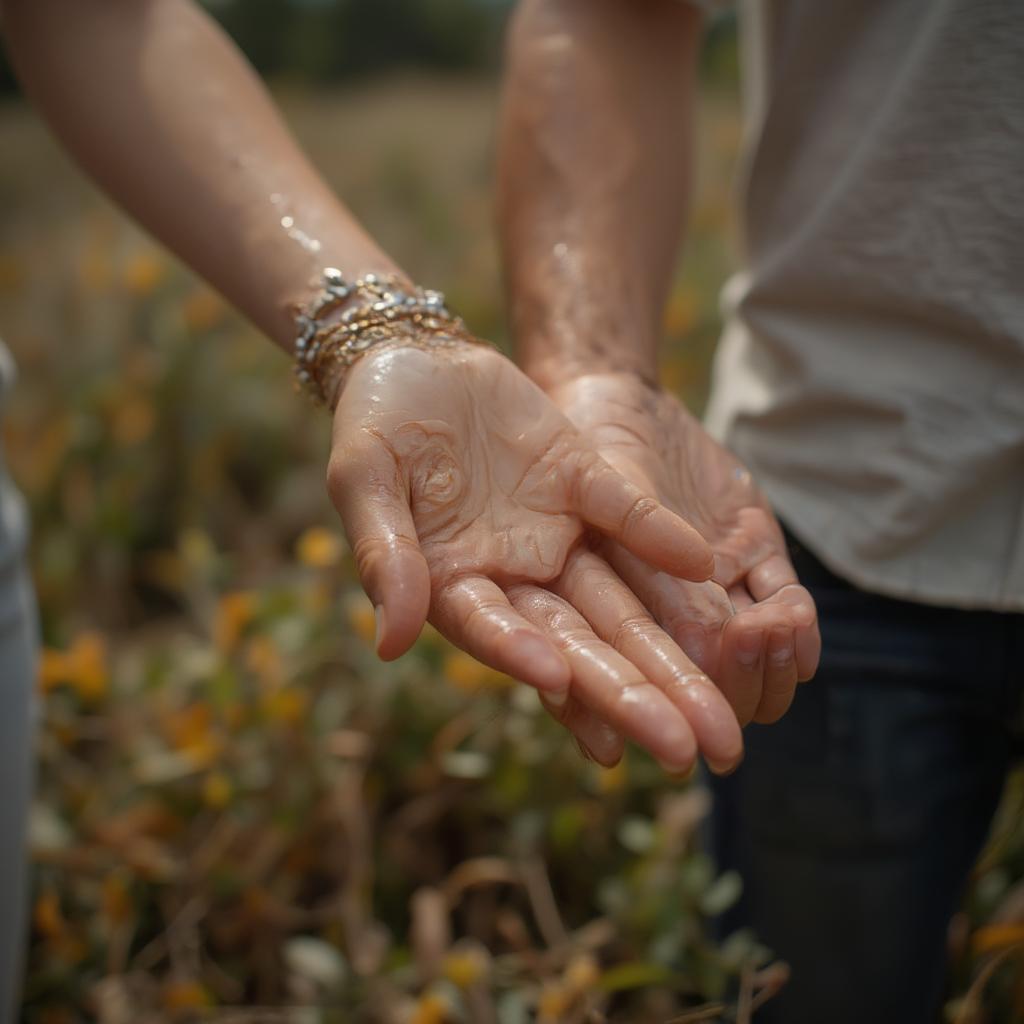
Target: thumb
369,493
607,501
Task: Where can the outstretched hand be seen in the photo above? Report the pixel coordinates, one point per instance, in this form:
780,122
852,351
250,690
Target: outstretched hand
468,498
753,628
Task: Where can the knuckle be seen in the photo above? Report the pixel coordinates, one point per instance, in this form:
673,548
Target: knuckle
340,468
488,612
684,679
575,638
369,554
638,513
636,627
372,553
587,469
632,691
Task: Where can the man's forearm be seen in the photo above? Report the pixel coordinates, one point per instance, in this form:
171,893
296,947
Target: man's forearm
594,174
163,111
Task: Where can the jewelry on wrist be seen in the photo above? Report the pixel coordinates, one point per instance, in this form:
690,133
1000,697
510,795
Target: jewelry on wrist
374,309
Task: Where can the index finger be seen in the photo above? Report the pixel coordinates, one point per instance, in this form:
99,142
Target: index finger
618,617
609,684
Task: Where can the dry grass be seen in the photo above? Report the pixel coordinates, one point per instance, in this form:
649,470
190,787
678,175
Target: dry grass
238,804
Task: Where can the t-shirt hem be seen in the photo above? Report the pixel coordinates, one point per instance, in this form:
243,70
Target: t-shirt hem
810,529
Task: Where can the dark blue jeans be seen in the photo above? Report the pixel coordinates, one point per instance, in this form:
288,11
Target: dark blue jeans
855,820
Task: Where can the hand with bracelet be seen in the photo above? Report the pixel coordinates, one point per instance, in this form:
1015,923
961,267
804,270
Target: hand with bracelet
466,493
595,162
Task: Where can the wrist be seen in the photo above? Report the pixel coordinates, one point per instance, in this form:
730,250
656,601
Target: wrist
624,385
564,330
346,319
552,365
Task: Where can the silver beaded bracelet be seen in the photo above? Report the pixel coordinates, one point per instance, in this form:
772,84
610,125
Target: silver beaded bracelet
375,309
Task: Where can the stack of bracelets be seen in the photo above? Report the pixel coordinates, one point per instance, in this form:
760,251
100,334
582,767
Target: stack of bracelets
374,309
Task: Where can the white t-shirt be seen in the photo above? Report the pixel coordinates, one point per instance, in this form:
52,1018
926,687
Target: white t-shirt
871,373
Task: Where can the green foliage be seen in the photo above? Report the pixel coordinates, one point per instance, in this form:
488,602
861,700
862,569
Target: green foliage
345,38
245,807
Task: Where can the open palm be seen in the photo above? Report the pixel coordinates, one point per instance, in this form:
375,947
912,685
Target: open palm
468,496
753,629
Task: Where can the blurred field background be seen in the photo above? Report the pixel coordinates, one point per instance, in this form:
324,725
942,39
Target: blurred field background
238,805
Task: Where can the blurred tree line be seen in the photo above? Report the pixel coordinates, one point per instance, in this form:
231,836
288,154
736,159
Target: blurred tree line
325,41
329,40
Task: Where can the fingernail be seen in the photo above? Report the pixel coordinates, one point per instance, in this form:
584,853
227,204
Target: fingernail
686,763
557,698
780,650
679,774
548,666
724,768
378,614
748,649
584,750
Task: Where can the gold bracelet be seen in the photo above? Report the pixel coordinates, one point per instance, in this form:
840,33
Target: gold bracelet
374,309
340,351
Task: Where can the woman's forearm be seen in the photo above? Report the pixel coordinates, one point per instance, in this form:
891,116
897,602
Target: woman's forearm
594,175
158,105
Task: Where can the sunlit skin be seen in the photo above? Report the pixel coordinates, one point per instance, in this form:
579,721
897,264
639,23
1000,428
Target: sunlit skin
465,492
507,494
759,654
594,170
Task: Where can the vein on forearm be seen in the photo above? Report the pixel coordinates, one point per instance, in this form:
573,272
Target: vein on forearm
593,176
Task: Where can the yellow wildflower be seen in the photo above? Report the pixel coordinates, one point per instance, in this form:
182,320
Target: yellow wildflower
554,1002
196,548
11,272
678,374
993,937
69,947
319,548
467,674
165,569
234,612
318,598
185,995
581,974
47,916
217,790
465,967
143,273
117,904
263,659
284,705
132,421
681,312
362,619
191,732
431,1008
83,667
94,268
202,310
612,780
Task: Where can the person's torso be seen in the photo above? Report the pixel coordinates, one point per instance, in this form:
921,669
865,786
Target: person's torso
14,527
872,371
